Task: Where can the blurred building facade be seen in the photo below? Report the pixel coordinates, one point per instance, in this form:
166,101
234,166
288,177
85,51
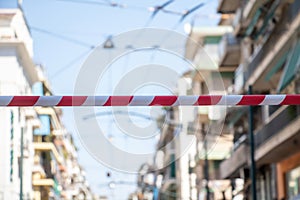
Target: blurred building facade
213,143
38,158
56,171
268,34
256,44
261,50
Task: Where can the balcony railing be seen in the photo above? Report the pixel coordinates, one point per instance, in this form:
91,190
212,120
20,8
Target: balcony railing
229,167
280,119
261,53
228,6
239,78
48,146
229,51
281,30
7,33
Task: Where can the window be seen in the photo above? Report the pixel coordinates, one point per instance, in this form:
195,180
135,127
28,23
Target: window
293,183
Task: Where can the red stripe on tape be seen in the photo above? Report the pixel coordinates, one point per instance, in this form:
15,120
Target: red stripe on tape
251,100
72,100
291,100
208,99
118,101
23,101
163,100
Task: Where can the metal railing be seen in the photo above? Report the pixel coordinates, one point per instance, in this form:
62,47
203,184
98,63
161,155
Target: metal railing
280,121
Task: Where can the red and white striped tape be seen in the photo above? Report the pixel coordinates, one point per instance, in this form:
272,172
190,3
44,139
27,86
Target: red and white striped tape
202,100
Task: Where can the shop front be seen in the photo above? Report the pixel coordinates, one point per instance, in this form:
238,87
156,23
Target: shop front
288,178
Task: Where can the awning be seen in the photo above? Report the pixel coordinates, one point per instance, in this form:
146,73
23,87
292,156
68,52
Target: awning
291,67
277,67
267,19
253,22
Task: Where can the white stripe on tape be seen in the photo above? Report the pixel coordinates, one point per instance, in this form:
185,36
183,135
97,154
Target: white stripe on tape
273,99
5,100
48,100
98,100
185,100
91,101
141,100
230,100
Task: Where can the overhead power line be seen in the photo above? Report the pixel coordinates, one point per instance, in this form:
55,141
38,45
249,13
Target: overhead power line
72,40
154,9
190,11
70,63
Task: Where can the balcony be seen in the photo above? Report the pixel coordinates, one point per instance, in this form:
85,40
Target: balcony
238,27
229,168
25,57
251,7
57,129
7,33
278,138
13,28
43,182
239,79
270,54
48,182
228,6
38,172
48,146
30,113
280,119
229,52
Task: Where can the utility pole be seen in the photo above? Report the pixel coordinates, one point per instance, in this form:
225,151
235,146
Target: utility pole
206,167
21,163
252,150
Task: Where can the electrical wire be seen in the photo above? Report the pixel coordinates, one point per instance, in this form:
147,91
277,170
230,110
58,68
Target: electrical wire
107,4
69,64
155,11
71,40
62,37
183,16
190,11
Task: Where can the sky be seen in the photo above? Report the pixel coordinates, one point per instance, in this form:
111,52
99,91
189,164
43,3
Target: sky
64,34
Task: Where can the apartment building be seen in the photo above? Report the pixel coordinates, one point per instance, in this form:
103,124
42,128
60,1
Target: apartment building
56,171
268,35
38,158
168,176
17,76
213,74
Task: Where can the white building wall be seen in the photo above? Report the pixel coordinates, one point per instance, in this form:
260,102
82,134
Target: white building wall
14,81
6,187
20,27
186,148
